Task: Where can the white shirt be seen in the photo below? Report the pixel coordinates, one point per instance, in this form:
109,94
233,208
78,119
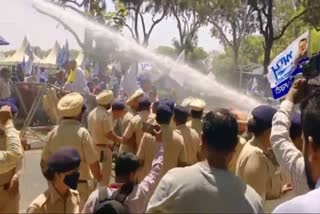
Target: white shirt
200,189
308,203
288,156
79,84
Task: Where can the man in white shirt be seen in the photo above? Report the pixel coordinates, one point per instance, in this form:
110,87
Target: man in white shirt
288,155
208,186
78,81
309,161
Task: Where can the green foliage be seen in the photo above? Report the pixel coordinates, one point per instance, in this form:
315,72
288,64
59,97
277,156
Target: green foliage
167,51
198,54
252,49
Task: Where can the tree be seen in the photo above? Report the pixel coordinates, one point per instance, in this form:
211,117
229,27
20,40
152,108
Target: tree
189,15
230,17
167,51
252,50
272,19
93,47
138,12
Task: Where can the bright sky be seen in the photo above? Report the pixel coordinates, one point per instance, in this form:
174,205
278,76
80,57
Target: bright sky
18,18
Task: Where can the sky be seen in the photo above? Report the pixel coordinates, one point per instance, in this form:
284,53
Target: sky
19,19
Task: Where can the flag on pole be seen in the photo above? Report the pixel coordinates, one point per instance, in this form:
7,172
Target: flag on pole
63,55
287,65
179,76
27,65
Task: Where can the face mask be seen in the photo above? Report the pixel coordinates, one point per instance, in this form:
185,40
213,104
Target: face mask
72,180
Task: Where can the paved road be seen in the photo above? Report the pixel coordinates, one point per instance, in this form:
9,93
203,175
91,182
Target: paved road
32,183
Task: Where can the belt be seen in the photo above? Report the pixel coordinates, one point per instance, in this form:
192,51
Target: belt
104,145
82,181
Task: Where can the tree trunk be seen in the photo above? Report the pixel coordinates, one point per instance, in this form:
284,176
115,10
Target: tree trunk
267,55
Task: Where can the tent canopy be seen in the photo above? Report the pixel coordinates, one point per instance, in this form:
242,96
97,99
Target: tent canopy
20,54
51,59
3,41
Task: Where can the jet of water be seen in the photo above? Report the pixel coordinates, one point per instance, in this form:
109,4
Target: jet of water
192,77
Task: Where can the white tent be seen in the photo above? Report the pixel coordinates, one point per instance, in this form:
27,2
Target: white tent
51,59
2,57
20,54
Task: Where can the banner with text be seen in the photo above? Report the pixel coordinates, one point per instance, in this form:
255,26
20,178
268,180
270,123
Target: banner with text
287,65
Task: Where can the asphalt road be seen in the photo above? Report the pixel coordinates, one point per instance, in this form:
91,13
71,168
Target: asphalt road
32,183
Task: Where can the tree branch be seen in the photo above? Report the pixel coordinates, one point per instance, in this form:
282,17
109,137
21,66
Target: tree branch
155,22
220,30
289,23
143,25
74,2
67,27
130,29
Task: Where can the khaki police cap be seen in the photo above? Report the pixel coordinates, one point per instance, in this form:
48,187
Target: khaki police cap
105,97
135,96
197,104
186,102
70,105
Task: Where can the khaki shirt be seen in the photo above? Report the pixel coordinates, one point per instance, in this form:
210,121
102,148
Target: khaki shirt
131,145
99,125
10,150
257,169
135,125
196,124
4,89
174,149
191,142
51,202
146,153
71,133
233,163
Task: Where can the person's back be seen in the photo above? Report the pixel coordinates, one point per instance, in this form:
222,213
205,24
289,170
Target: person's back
174,150
208,186
215,190
301,204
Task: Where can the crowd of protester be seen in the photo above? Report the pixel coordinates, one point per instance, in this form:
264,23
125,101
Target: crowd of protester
171,157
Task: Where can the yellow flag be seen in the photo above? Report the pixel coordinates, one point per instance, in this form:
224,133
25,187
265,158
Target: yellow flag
71,76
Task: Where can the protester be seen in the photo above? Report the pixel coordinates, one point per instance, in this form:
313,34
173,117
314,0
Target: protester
5,76
135,125
296,131
256,165
76,81
71,133
190,137
62,173
197,106
100,126
11,153
290,158
208,187
303,167
126,196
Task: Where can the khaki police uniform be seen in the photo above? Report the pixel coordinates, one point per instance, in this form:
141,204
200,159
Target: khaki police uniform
233,163
71,133
100,123
146,154
196,104
131,145
191,141
256,168
135,126
51,202
11,152
174,149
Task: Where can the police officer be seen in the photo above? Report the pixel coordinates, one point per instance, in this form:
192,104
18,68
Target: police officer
190,137
62,173
133,105
135,125
11,153
174,149
197,106
256,164
71,133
